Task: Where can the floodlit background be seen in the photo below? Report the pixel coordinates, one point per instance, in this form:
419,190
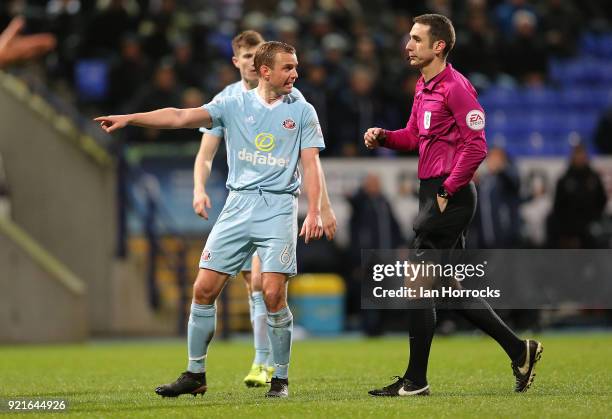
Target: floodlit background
97,233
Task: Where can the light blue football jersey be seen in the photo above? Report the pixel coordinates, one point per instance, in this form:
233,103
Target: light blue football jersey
264,140
229,90
235,89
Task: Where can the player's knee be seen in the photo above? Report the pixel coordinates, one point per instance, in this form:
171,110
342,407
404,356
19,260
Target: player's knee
274,298
203,293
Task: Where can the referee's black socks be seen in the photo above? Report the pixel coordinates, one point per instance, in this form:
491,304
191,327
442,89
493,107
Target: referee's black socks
482,316
421,326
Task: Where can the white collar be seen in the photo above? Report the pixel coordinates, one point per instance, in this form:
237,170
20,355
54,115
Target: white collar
266,104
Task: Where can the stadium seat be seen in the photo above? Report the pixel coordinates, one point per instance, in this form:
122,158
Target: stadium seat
501,97
596,45
538,98
583,123
589,44
91,79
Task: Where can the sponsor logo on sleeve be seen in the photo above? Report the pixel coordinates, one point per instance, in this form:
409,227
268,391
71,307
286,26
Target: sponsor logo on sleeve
475,120
317,126
206,255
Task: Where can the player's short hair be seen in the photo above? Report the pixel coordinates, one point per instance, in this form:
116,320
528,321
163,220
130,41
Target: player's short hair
266,53
440,29
246,39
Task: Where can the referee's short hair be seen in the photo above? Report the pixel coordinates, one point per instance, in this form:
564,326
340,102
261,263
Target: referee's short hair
266,53
440,29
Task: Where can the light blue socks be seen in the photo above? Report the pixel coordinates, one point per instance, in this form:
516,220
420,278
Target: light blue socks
200,331
260,329
280,329
251,307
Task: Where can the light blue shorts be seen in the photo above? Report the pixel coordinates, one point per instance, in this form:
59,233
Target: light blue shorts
248,265
254,221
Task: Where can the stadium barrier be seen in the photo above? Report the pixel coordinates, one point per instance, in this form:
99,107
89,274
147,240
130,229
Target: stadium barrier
64,195
41,299
317,303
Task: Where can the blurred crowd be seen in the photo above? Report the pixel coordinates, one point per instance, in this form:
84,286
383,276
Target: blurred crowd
115,56
133,55
521,214
513,212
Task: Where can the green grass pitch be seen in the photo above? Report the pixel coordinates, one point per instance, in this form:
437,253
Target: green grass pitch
469,377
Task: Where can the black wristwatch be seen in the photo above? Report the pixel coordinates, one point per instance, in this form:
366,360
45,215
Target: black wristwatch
442,192
381,141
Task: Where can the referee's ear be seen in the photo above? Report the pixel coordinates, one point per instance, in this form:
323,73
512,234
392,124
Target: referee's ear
439,47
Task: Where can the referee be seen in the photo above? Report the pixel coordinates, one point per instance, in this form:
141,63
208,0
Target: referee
446,125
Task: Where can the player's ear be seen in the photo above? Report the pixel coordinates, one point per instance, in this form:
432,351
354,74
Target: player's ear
235,62
265,71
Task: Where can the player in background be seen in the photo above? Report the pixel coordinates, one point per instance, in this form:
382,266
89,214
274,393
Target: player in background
446,125
267,132
244,46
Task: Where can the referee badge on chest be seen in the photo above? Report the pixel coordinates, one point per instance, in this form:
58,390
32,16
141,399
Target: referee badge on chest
426,119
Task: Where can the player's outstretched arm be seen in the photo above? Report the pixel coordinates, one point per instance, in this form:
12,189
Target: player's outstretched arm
312,229
201,172
166,118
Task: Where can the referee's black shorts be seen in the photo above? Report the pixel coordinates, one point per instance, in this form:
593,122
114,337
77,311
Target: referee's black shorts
448,229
